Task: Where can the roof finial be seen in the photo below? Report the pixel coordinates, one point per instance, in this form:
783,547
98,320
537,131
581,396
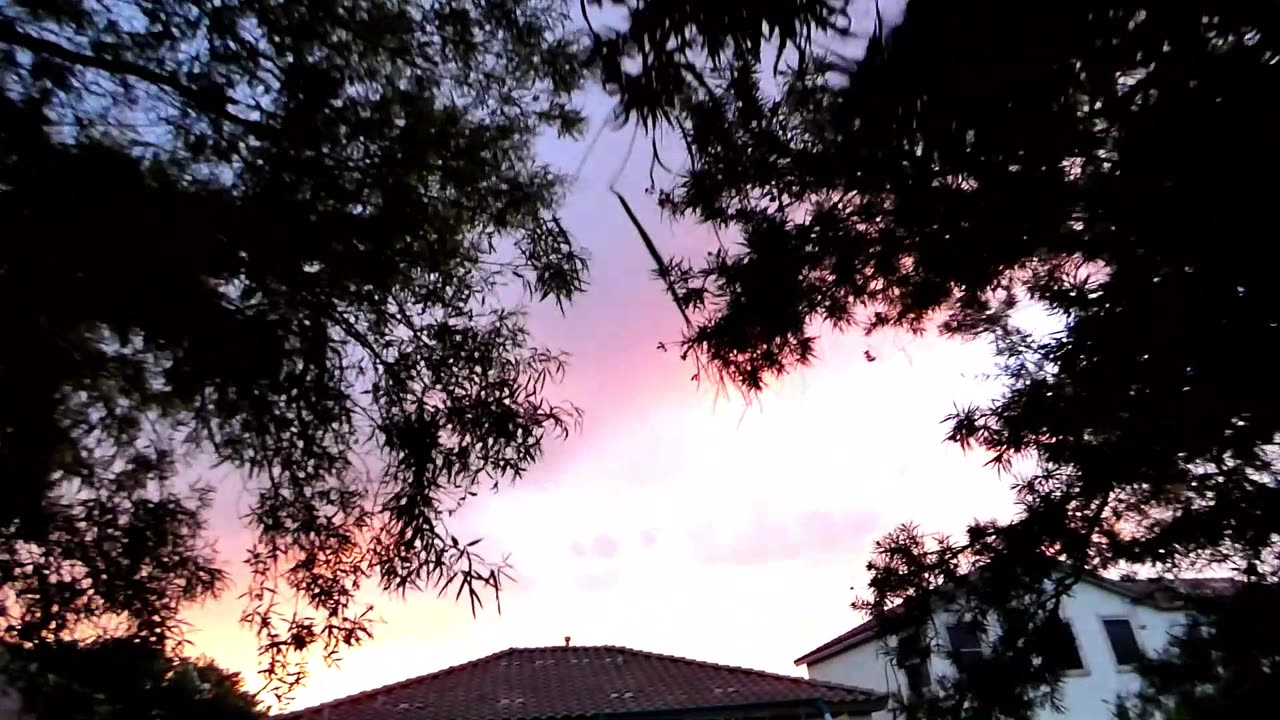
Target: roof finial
566,641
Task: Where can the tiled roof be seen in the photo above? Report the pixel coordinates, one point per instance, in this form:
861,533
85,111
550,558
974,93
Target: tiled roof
578,681
1172,593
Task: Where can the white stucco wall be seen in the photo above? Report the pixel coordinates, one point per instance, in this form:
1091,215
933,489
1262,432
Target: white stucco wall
865,666
1091,693
1088,694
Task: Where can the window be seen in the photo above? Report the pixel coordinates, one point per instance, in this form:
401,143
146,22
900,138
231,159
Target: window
966,644
1066,654
917,678
1124,643
913,658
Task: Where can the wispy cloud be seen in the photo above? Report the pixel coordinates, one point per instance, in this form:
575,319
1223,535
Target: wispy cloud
766,540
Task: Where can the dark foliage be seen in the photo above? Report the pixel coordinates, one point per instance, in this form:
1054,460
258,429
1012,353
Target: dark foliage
1111,163
658,60
282,235
123,680
1222,665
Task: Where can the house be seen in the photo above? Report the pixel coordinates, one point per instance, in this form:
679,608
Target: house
600,683
1111,624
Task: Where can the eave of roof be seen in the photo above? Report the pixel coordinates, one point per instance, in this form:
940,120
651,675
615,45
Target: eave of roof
856,637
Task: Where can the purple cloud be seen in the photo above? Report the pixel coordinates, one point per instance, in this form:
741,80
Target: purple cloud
604,546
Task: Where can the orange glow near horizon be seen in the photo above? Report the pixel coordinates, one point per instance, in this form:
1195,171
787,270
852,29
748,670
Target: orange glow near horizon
692,525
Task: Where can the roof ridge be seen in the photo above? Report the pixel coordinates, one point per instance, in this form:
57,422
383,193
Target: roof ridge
399,683
735,668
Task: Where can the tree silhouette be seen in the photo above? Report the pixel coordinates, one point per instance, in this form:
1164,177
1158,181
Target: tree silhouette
277,235
1110,163
1222,662
118,679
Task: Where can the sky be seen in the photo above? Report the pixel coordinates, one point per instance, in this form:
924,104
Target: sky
676,520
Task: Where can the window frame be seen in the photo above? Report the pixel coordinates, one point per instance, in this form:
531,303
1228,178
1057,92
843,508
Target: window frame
955,653
1133,627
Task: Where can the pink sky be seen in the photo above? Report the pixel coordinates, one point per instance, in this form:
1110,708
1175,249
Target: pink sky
675,521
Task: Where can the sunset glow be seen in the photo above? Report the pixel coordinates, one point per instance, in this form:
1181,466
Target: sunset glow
678,521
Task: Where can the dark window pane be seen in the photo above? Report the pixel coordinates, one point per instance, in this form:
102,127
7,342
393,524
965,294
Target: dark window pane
1123,642
1066,656
917,678
966,644
910,649
913,658
964,637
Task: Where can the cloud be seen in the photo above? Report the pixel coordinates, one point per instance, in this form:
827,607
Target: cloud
767,540
597,582
604,546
